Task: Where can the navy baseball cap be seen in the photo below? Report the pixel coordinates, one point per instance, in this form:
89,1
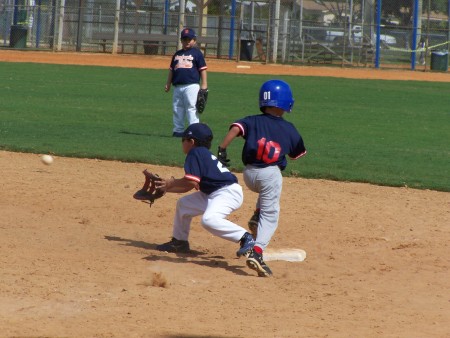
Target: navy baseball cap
188,33
198,131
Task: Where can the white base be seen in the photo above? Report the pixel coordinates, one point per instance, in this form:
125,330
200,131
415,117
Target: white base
290,255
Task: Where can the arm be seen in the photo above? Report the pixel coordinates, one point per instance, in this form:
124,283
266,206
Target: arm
204,79
174,185
222,155
230,136
169,81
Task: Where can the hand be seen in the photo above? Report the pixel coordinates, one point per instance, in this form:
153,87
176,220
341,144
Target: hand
161,184
165,184
222,157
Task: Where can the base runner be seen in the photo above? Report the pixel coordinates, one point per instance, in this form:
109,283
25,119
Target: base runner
268,139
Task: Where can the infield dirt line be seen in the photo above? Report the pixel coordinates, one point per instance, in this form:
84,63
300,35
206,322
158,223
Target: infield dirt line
215,65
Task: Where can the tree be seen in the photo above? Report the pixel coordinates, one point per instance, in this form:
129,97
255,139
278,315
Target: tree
439,6
340,8
404,9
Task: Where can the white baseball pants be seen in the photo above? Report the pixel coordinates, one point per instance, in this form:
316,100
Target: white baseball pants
215,207
184,100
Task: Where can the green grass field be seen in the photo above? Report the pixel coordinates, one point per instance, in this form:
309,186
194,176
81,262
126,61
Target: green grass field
393,133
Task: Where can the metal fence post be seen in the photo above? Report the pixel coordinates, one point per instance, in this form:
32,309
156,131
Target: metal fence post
182,21
116,27
60,25
80,24
232,25
416,16
377,51
276,29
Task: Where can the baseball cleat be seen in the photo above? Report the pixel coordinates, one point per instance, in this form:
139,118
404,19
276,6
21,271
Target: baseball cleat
174,245
255,262
253,224
247,243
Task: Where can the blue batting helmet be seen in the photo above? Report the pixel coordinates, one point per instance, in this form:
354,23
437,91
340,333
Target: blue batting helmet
276,93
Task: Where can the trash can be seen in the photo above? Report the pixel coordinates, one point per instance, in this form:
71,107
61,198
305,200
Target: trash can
247,50
439,61
18,36
151,47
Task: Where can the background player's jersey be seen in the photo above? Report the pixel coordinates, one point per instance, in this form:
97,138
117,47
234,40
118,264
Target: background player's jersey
204,168
186,66
268,139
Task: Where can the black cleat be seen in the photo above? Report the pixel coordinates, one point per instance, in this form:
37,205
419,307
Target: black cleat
174,245
247,244
255,262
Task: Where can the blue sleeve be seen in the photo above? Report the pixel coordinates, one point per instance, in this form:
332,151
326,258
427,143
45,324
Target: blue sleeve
298,146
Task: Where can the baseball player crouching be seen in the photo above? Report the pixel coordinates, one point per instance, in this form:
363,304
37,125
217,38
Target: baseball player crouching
218,195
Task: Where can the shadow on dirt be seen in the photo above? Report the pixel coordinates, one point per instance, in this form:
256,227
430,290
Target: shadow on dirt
195,257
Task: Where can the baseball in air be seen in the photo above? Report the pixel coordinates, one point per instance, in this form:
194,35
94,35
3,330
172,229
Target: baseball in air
47,159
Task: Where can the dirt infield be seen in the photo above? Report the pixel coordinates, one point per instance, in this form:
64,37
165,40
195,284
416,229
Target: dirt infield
79,259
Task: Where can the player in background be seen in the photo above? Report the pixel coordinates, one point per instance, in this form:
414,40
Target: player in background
268,139
218,195
187,70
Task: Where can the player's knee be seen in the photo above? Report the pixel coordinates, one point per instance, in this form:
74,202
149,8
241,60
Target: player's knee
210,220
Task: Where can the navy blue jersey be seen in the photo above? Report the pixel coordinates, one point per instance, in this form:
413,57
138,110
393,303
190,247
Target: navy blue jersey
186,66
204,168
268,139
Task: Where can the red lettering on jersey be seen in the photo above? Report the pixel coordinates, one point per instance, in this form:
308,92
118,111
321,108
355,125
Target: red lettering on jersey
184,61
268,152
261,143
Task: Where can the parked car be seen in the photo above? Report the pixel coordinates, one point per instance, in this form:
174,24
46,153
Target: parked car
337,36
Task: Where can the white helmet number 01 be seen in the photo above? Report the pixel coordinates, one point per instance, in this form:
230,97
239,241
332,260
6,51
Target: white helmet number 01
266,96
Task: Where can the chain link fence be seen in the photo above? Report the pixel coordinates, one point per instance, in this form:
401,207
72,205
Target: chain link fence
399,33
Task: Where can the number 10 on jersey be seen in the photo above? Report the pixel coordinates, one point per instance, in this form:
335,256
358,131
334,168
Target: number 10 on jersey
268,151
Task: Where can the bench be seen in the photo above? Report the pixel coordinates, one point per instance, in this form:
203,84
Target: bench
321,53
146,39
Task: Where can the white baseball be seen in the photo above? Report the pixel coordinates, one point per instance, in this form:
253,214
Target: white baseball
47,159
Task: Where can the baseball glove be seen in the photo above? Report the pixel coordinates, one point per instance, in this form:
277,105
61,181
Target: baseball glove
149,192
202,97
